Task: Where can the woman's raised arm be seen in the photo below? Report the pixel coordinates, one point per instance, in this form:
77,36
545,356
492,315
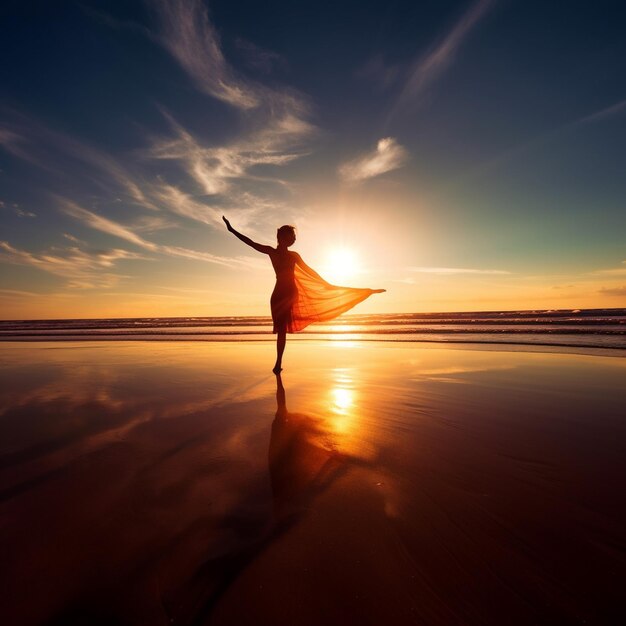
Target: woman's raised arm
253,244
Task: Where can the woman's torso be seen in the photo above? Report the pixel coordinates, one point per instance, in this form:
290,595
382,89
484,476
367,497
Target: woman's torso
283,262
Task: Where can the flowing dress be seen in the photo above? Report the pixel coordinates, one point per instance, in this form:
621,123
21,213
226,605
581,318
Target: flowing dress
301,296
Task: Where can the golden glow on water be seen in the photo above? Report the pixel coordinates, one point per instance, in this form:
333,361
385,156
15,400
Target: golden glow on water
342,400
343,343
343,407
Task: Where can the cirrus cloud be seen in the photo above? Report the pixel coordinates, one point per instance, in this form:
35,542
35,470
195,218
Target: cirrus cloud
121,231
387,156
191,39
81,268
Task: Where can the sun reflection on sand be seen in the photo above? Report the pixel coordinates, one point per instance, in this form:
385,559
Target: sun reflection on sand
344,415
342,401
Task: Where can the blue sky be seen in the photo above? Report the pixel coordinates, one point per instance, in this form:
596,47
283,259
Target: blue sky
469,155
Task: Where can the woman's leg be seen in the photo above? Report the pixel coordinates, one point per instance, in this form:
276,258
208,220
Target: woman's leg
281,340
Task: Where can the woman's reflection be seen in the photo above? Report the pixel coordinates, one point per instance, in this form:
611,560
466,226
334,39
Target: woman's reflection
303,462
302,457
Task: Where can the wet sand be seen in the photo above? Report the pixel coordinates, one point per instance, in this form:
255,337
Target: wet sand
182,483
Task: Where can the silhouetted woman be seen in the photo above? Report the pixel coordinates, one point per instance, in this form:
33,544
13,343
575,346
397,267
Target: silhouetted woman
301,296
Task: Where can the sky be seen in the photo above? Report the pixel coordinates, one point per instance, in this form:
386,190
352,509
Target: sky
463,155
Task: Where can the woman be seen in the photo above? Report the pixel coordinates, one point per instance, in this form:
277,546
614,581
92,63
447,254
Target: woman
301,296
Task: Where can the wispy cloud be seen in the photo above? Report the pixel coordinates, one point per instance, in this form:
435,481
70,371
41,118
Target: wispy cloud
216,169
430,66
612,271
83,269
73,239
455,270
197,255
259,58
17,293
26,138
177,201
613,291
15,208
189,36
388,155
23,213
153,223
106,225
13,143
602,114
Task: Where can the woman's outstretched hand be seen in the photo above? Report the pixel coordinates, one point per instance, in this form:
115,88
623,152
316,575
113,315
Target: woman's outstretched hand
230,228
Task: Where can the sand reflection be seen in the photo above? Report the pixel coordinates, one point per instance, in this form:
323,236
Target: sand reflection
181,483
303,456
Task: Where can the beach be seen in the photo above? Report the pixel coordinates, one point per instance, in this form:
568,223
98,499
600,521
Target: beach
180,482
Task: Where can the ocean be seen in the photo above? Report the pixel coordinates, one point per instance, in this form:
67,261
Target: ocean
589,328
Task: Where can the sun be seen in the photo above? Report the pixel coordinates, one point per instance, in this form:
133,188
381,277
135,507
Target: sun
341,264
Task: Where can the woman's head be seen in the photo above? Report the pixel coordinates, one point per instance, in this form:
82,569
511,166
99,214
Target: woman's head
286,235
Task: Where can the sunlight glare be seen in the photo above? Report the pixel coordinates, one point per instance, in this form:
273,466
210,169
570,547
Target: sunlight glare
341,264
342,400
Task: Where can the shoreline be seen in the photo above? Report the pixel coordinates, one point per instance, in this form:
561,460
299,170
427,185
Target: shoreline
544,347
393,483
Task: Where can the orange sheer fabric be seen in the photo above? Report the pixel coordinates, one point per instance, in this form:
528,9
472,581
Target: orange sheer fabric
313,300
